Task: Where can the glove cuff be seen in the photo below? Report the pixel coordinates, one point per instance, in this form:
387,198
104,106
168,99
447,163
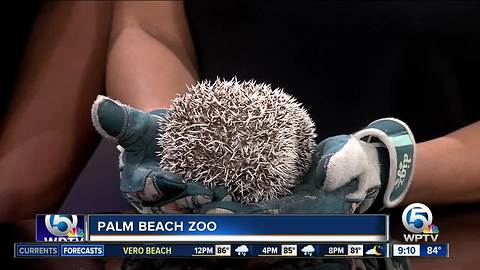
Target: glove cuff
398,139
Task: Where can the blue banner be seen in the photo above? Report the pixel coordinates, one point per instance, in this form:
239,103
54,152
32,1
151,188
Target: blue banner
254,228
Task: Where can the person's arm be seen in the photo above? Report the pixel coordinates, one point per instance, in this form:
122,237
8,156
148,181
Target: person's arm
448,168
151,56
46,134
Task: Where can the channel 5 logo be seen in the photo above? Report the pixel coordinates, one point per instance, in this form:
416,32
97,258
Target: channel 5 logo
417,218
58,228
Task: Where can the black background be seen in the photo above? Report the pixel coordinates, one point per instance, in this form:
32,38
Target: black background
349,62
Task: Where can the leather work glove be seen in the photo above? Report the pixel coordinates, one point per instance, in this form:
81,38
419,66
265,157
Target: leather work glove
144,185
368,170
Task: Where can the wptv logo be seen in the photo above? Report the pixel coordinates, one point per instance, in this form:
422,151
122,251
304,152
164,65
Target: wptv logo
417,218
60,228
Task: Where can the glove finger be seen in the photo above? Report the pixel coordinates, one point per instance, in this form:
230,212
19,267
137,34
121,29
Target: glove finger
157,189
114,120
185,195
323,154
109,117
192,202
197,201
168,184
173,208
220,193
308,199
151,185
139,204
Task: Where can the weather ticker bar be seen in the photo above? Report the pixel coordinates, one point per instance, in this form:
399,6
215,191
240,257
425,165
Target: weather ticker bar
305,250
29,250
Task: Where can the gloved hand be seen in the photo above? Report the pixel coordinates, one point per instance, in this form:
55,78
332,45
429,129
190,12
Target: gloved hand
146,187
370,169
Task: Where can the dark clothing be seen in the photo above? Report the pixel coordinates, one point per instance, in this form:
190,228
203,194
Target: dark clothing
350,63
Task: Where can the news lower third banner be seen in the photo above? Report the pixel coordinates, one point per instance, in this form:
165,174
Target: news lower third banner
237,228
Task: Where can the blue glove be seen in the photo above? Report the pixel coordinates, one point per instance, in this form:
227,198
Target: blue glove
144,185
370,169
381,157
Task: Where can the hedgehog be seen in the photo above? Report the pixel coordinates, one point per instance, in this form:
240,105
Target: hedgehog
255,141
